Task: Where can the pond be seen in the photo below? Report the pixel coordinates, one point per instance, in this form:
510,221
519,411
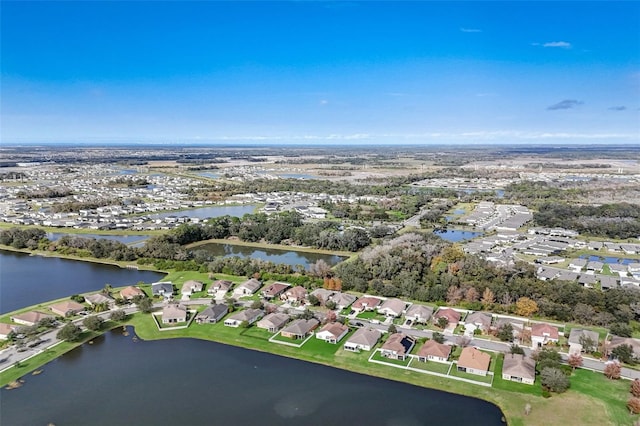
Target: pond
456,235
28,280
194,382
288,257
609,259
209,212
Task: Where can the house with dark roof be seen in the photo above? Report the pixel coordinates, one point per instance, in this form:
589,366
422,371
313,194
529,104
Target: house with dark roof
274,290
519,368
163,288
212,314
434,351
397,346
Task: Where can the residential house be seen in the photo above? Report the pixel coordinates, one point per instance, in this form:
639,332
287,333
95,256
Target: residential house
29,318
477,321
164,289
516,325
248,315
634,268
130,292
342,300
519,368
98,298
366,303
190,287
300,328
364,339
474,361
219,285
297,294
451,315
67,307
332,332
174,313
566,276
577,264
322,294
434,351
543,334
419,313
212,314
273,322
594,266
274,290
5,330
247,288
581,340
607,282
546,274
619,269
392,307
397,346
618,341
587,280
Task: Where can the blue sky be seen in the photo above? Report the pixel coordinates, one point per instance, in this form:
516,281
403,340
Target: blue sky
320,72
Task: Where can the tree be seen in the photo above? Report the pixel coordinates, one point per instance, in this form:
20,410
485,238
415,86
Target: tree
624,353
438,337
442,322
118,315
575,361
145,305
392,329
101,307
331,316
70,332
635,388
588,344
454,295
526,307
547,358
488,298
505,332
256,304
330,304
633,404
93,323
313,300
515,349
554,379
621,329
612,370
471,295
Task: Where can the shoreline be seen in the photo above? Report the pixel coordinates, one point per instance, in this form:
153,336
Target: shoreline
282,247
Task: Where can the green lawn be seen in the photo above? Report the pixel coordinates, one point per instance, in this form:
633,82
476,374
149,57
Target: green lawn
378,357
454,372
369,315
436,367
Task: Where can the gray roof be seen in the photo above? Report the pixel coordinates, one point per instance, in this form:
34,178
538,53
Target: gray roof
481,318
174,312
394,305
252,285
421,311
343,299
517,365
161,288
273,320
214,311
248,315
576,333
301,326
365,336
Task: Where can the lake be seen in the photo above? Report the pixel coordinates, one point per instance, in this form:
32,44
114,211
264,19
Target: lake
208,212
28,280
456,235
193,382
288,257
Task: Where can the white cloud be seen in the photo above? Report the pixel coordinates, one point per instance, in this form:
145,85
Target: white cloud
560,44
323,102
470,30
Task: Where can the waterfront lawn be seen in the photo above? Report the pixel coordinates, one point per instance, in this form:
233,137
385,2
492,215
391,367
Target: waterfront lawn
180,277
508,385
435,367
454,372
256,333
318,348
282,338
613,393
378,357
